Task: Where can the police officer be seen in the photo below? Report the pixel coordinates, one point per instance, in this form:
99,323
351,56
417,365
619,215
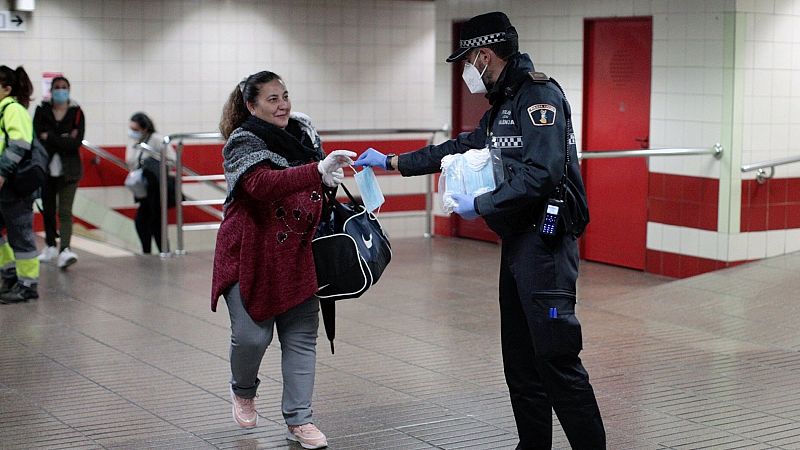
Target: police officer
529,125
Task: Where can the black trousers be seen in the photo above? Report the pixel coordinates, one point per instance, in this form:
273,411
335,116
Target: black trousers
541,344
58,194
148,222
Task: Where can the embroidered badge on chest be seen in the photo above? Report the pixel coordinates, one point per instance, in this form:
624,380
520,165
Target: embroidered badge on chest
542,115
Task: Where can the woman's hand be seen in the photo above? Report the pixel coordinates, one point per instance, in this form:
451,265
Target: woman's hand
334,178
335,160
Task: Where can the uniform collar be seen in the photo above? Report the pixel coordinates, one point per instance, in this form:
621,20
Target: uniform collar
511,78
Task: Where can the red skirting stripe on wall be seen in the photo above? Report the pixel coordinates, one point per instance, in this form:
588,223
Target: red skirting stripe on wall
774,205
683,266
683,201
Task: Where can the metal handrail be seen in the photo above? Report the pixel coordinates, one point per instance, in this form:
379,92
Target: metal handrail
179,137
761,174
180,203
716,151
100,152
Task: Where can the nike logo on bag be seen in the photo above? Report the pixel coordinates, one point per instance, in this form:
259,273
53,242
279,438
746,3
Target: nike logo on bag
367,242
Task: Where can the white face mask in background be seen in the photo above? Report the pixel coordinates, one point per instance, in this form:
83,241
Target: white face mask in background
473,78
135,135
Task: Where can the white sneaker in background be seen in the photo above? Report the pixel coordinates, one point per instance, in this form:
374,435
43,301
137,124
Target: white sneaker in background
66,258
48,254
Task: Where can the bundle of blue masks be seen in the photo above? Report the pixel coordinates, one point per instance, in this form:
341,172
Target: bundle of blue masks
465,173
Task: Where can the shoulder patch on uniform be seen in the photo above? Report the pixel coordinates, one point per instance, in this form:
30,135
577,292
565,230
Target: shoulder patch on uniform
539,77
542,115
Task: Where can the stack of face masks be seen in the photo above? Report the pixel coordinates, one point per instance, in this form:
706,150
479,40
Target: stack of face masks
467,173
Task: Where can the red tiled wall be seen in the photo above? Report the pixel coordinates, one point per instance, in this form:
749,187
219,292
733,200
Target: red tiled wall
683,201
774,205
683,266
206,159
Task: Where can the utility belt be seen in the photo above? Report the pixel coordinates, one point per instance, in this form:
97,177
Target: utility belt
559,216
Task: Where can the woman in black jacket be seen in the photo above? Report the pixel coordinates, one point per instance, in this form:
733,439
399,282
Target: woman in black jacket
60,125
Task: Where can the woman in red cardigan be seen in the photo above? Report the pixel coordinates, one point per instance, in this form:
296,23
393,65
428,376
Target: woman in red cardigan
276,172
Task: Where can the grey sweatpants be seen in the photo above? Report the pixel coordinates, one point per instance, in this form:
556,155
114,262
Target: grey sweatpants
297,333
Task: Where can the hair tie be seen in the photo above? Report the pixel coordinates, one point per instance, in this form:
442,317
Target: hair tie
241,85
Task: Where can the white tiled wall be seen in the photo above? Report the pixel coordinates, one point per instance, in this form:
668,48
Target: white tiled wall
347,63
687,89
686,101
771,83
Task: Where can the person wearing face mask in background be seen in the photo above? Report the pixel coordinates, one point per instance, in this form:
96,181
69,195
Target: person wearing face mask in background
141,130
277,174
529,126
60,125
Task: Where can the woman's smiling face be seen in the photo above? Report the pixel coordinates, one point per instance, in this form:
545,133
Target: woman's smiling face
272,104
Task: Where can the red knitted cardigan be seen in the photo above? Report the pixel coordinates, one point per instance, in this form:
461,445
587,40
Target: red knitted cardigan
264,241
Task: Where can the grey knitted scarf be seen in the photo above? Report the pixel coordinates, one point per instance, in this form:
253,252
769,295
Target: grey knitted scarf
244,150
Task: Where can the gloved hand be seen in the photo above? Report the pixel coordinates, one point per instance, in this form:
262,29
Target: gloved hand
334,178
335,161
371,158
465,206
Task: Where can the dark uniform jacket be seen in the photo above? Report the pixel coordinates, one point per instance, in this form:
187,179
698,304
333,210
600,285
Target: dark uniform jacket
528,123
59,141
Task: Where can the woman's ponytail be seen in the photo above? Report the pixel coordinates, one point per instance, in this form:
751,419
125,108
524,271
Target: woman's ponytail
24,89
234,113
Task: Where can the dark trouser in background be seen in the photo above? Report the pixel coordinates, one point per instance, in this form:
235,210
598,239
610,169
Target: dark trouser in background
148,222
58,196
541,345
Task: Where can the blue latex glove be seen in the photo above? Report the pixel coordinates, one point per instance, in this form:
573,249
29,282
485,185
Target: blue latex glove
371,158
465,206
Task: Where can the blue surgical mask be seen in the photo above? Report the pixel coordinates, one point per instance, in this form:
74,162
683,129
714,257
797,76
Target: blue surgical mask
60,95
371,193
135,135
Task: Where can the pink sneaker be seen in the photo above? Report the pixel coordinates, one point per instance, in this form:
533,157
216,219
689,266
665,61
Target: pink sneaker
308,435
244,411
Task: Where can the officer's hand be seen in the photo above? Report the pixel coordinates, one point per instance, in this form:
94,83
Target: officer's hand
465,206
371,158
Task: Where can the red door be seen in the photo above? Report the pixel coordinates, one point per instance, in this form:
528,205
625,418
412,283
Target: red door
616,116
467,110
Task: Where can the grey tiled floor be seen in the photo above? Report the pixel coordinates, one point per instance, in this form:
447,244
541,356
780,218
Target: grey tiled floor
124,353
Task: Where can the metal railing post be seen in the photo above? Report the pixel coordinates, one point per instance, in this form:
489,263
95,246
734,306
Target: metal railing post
179,250
163,188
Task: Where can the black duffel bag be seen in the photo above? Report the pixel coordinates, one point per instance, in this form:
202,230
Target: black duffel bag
351,251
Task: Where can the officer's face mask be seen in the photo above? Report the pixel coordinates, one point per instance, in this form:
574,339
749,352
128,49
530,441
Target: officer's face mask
473,78
371,193
60,95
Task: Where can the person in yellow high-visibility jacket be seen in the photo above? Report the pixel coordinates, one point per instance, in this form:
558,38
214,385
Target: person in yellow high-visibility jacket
19,265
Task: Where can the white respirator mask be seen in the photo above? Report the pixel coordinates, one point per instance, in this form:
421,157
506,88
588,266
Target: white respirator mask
473,78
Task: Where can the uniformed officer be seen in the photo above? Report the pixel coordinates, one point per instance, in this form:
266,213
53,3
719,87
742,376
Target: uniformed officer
529,125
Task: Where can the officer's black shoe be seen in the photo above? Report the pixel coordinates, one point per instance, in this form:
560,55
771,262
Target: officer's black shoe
7,284
19,293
